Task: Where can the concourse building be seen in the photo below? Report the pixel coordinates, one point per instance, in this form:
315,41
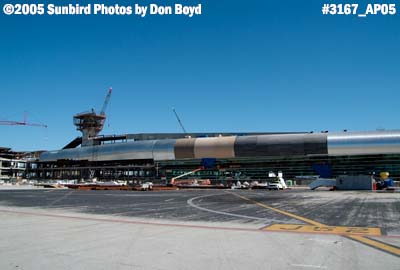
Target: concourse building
223,158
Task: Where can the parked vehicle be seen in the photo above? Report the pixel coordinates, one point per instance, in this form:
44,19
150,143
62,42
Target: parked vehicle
147,186
278,184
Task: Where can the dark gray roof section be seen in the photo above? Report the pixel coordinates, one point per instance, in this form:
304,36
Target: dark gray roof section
160,136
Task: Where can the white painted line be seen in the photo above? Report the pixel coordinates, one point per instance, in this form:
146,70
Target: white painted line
309,266
51,190
190,202
61,198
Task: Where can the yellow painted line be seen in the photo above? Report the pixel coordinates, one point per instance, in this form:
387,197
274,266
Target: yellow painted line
324,229
309,221
376,244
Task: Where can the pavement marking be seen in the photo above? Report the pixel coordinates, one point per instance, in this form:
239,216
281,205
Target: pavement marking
309,266
309,221
324,229
359,238
51,190
60,198
377,244
192,204
137,222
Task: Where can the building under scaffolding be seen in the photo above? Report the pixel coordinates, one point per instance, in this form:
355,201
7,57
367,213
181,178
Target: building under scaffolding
12,164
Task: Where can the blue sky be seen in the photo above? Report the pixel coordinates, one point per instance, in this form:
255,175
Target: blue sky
241,66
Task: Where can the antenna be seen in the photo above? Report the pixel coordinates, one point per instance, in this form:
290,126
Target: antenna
179,120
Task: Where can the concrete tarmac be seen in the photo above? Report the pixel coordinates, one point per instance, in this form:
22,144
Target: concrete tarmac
198,229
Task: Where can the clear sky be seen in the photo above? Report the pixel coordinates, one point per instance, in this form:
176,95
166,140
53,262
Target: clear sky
242,66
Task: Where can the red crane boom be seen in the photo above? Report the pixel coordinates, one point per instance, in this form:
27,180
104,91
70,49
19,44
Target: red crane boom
24,123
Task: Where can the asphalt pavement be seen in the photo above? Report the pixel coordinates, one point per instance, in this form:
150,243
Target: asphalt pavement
197,229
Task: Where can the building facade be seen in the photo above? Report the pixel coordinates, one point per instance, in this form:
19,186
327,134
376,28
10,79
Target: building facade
12,165
225,157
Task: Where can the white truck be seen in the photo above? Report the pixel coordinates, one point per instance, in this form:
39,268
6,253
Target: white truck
147,186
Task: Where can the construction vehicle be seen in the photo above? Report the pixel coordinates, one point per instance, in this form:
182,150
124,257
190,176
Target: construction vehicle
384,182
175,181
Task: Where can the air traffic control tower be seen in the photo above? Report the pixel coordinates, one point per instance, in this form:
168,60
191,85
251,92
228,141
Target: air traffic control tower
91,124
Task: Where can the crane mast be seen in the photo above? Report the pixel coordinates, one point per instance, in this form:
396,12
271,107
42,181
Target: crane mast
106,100
179,120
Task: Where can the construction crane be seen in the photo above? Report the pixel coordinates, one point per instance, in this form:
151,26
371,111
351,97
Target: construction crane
103,109
24,123
179,120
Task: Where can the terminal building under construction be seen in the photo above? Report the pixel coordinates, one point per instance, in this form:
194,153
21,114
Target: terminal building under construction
223,157
220,157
